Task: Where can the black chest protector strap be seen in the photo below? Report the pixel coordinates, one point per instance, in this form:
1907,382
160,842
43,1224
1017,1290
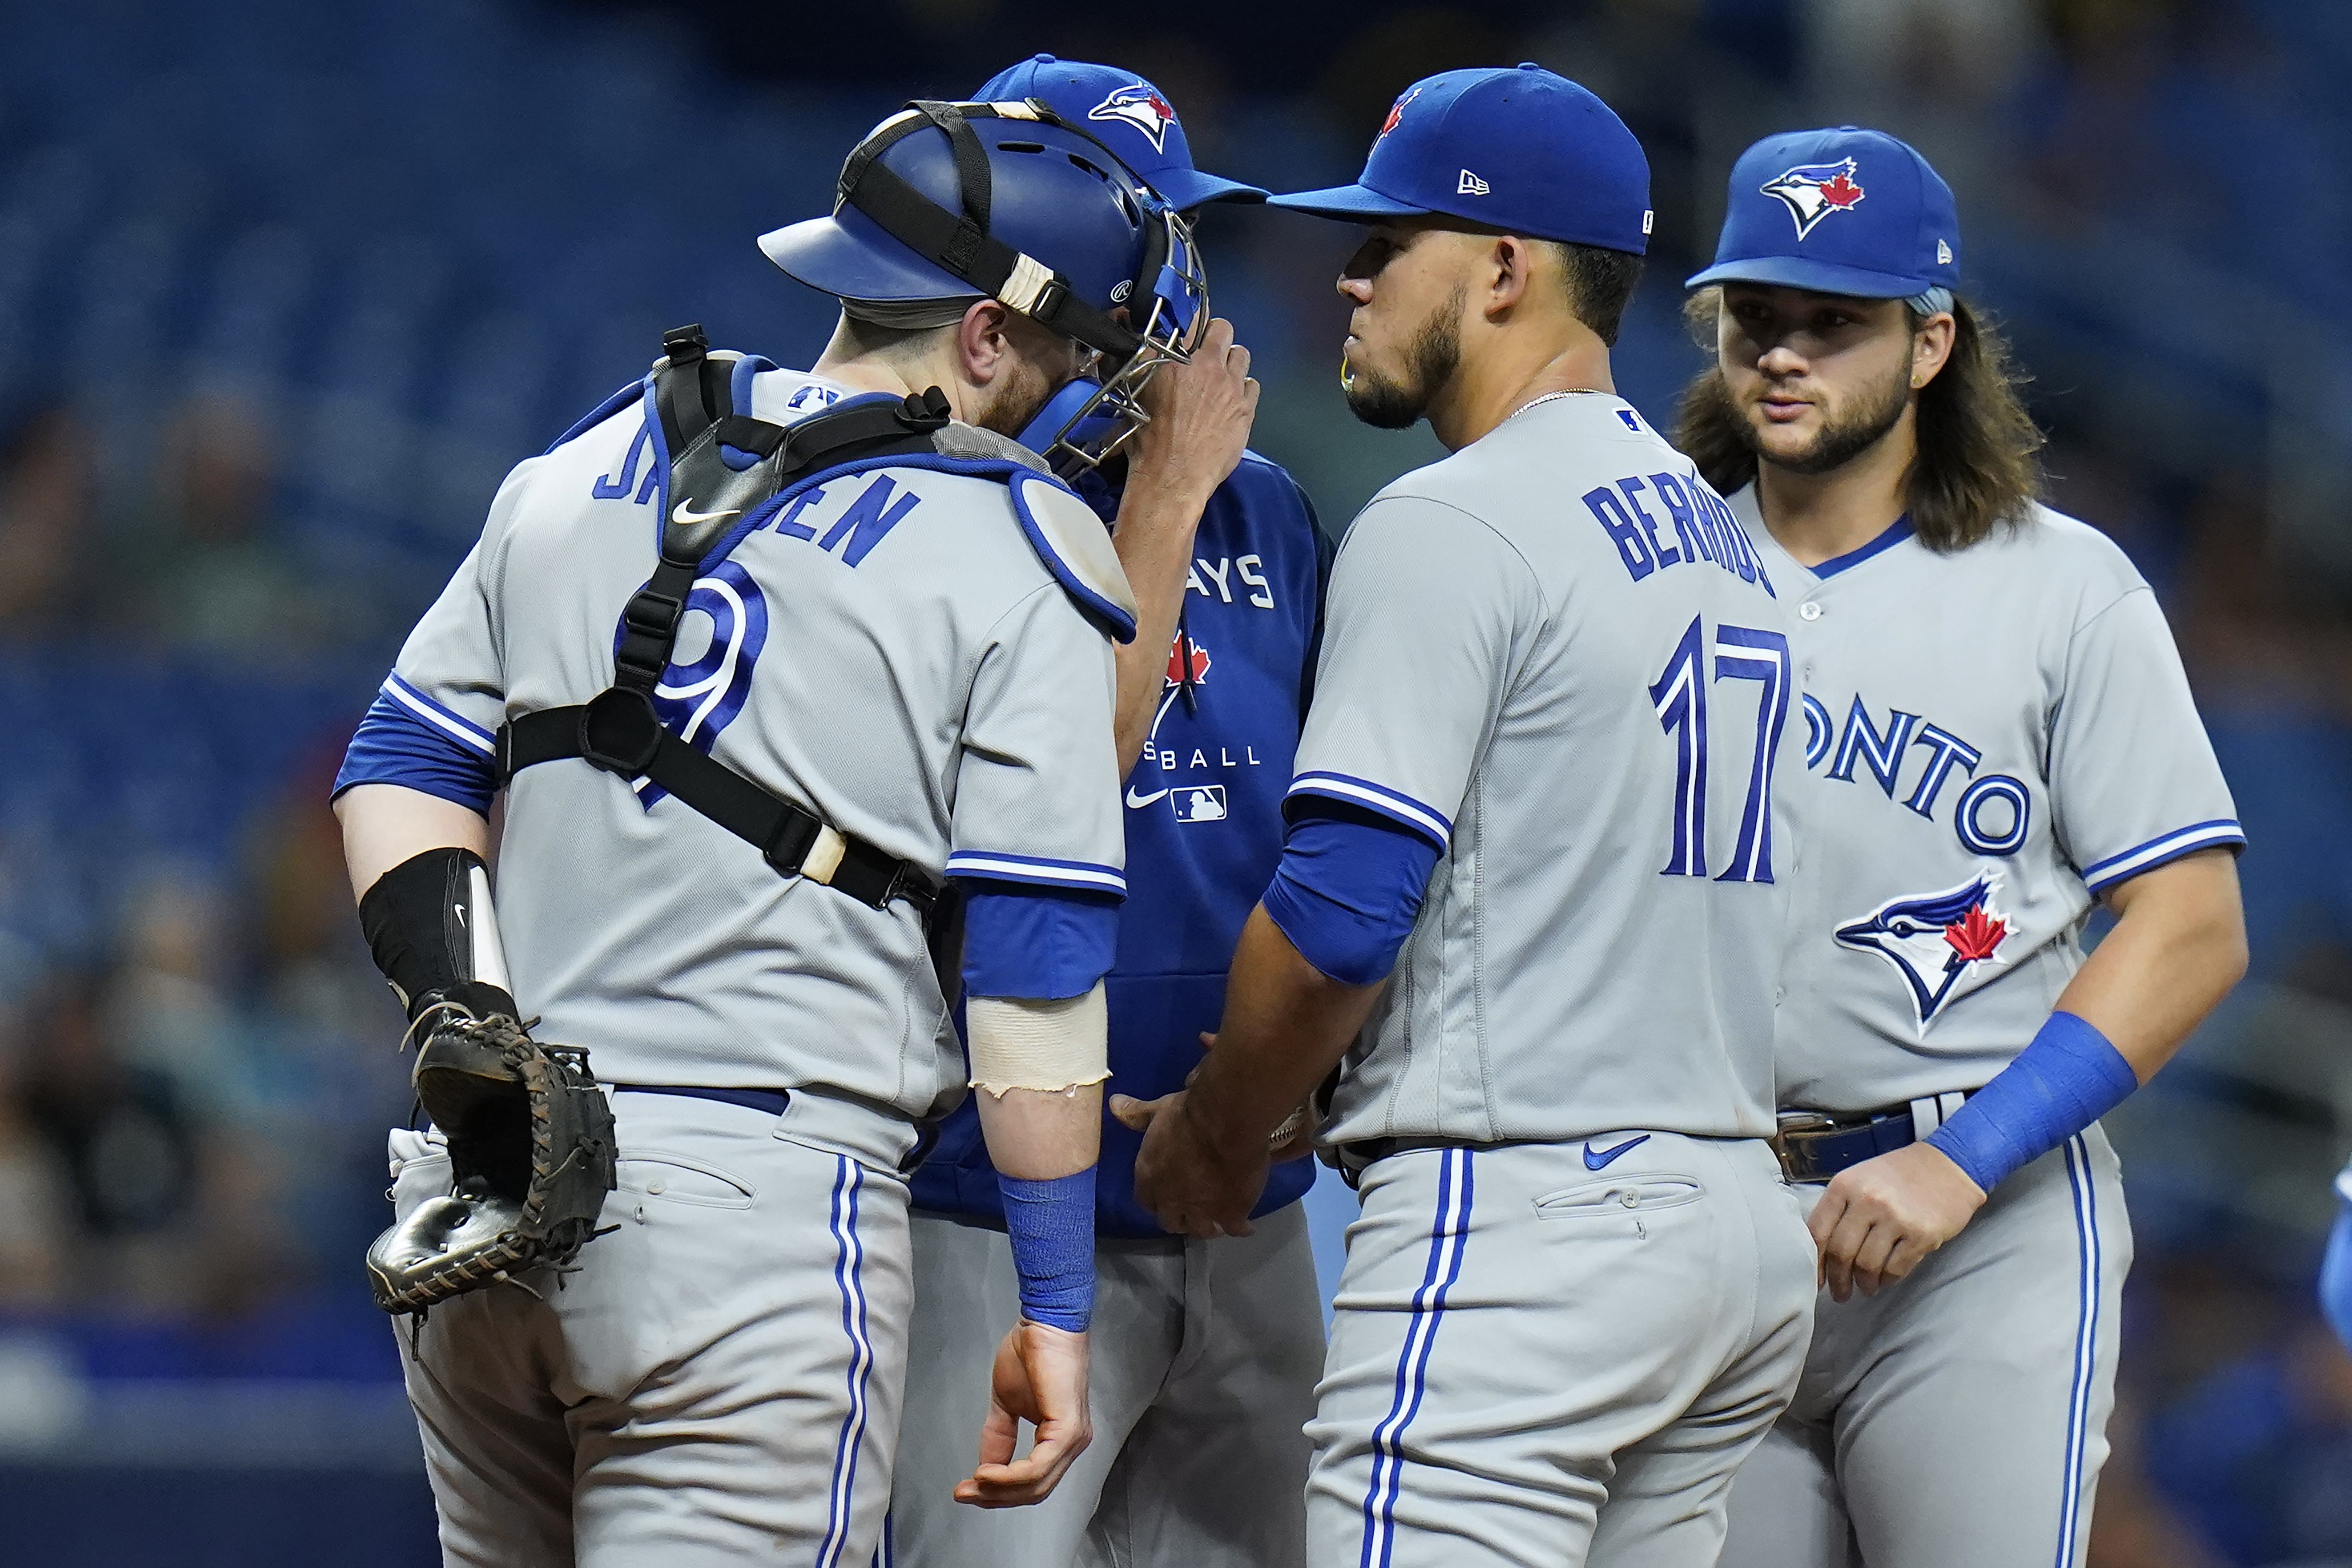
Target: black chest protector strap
618,729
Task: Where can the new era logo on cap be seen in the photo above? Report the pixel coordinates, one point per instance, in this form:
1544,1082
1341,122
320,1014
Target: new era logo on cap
1470,184
1943,253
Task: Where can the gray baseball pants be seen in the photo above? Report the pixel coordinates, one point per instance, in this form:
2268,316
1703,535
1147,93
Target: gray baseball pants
1204,1356
719,1382
1960,1415
1540,1363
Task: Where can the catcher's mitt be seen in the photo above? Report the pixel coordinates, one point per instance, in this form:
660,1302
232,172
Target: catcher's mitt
531,1156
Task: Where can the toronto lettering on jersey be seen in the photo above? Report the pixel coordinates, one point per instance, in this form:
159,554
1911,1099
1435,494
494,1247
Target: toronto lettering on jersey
1989,815
1699,526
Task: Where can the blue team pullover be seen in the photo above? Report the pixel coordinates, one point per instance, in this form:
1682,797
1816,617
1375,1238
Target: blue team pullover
1203,826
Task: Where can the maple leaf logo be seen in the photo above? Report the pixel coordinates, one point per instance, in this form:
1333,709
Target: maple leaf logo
1974,937
1841,192
1396,113
1176,661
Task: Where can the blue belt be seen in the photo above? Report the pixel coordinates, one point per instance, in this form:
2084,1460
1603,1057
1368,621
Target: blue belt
1815,1145
771,1100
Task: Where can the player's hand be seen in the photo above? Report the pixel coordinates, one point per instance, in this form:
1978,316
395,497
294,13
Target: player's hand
1879,1219
1200,416
1190,1184
1040,1377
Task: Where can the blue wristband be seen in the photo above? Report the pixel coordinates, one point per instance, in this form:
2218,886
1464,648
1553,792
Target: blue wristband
2067,1078
1051,1224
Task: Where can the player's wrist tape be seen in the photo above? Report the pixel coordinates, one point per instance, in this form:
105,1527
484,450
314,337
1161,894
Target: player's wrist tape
2067,1078
429,923
1051,1224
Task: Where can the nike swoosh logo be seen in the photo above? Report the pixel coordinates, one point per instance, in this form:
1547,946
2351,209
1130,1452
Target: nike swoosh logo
1135,799
685,516
1593,1162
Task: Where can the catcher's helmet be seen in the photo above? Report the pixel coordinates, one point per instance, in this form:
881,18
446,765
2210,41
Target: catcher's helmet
965,201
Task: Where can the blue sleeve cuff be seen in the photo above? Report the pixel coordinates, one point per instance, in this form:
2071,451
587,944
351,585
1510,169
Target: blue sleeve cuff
1347,890
2069,1077
1041,943
398,744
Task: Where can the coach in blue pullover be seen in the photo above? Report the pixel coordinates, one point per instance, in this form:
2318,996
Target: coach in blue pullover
1205,1354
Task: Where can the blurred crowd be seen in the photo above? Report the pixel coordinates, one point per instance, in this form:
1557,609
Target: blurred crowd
251,407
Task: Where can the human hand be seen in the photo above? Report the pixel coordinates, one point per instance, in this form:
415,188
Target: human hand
1878,1220
1039,1376
1192,1186
1201,415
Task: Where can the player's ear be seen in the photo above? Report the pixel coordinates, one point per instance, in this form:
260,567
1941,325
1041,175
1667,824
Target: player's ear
1507,266
1931,347
983,342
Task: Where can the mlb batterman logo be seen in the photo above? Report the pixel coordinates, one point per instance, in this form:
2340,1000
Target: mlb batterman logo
1813,191
1933,940
1140,107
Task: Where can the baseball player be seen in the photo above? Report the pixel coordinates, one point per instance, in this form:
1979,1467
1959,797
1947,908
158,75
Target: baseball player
1202,1368
1531,899
875,642
1997,734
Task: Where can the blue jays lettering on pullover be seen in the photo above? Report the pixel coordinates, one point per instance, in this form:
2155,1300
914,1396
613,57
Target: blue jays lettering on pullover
1204,826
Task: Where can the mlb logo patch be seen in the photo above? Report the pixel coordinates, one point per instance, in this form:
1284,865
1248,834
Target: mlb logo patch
1811,191
1198,802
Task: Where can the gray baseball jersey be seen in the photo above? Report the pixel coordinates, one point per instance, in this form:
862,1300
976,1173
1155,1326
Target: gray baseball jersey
1557,656
1992,737
901,649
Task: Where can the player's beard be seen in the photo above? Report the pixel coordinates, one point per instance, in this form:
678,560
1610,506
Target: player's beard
1014,398
1845,435
1430,361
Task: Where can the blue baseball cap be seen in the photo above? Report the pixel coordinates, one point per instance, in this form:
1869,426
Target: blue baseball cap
1133,118
1843,211
1523,150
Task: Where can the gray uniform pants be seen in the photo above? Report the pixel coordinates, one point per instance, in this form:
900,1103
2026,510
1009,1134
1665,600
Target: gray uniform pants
717,1384
1536,1363
1959,1416
1203,1357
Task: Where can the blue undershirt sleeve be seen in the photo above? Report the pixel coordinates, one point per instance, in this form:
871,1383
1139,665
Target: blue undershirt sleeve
1044,944
1348,889
394,745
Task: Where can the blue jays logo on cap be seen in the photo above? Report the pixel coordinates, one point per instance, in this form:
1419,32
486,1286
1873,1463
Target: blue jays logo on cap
1934,940
1813,191
1142,106
1396,113
1841,210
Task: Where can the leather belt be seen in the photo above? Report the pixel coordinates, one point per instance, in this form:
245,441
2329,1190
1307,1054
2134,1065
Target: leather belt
1815,1145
